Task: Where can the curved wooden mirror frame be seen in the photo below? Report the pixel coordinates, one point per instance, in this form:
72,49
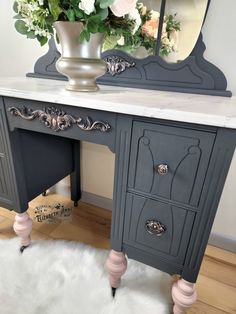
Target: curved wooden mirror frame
192,75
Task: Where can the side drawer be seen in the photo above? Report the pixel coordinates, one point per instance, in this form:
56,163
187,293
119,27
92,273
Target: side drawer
6,176
159,229
62,120
184,154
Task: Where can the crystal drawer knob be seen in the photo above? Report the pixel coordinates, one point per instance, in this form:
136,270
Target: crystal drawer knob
155,227
162,169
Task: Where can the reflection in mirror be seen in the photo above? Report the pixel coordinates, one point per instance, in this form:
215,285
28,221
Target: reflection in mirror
141,40
190,15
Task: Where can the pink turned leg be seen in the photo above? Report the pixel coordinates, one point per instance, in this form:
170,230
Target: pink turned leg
22,227
184,296
116,266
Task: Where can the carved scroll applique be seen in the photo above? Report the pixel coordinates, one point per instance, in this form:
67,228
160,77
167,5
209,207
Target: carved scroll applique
57,119
117,65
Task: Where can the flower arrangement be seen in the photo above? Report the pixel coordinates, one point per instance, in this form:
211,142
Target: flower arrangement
35,18
127,24
145,32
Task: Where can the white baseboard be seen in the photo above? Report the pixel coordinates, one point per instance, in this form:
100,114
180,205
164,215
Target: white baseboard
222,241
216,239
97,200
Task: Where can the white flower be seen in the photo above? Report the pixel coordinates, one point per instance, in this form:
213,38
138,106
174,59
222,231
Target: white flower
134,15
154,15
165,41
87,6
121,41
122,7
142,8
41,2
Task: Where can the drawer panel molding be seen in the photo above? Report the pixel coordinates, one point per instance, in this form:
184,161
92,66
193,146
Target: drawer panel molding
58,120
169,162
160,229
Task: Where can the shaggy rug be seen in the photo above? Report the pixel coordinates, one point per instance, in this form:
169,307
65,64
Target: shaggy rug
61,277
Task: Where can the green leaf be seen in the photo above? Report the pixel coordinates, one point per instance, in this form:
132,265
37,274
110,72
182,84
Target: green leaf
31,35
78,13
42,40
54,8
105,3
84,35
110,42
103,13
102,28
21,27
17,16
74,3
71,15
93,23
15,7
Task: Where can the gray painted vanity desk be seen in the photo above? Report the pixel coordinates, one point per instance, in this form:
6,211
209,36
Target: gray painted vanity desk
173,152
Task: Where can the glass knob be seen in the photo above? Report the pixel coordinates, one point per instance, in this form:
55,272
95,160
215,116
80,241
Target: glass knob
162,169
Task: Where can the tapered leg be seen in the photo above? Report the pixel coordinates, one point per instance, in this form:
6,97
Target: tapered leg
116,266
22,227
184,296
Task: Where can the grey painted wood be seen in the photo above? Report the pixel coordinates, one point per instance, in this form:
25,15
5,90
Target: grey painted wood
192,75
185,200
216,175
75,179
72,132
123,139
7,186
185,152
48,160
172,244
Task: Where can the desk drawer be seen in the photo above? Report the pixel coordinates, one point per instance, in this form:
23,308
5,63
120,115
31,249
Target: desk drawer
68,121
159,229
169,162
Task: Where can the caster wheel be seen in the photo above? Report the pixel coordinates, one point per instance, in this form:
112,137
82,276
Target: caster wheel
23,247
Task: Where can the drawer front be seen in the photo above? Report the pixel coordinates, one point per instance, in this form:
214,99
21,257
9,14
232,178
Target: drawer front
95,126
169,162
160,229
6,181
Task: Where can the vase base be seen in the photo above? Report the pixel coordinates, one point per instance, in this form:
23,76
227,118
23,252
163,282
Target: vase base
81,88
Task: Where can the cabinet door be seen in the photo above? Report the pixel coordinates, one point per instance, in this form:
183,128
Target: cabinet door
184,152
160,229
6,179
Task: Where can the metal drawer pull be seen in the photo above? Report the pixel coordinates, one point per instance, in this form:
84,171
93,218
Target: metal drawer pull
162,169
155,227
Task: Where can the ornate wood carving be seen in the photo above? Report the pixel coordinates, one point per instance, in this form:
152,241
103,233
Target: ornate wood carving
58,120
193,75
117,65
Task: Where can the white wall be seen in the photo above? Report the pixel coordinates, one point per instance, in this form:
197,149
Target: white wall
17,57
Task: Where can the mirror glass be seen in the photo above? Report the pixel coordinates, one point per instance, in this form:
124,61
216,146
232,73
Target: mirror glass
142,41
182,26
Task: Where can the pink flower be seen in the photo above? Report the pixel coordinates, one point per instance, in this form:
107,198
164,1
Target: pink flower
150,28
122,7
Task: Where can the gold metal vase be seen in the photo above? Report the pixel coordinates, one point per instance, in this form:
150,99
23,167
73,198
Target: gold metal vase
80,62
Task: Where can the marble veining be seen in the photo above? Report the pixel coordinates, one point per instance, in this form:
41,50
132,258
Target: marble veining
200,109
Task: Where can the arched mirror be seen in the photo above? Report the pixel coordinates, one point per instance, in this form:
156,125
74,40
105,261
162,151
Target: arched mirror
177,43
164,52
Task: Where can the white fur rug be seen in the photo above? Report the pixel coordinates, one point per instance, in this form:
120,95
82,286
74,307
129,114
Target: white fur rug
60,277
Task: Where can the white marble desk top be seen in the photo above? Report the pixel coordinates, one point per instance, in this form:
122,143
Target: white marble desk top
207,110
